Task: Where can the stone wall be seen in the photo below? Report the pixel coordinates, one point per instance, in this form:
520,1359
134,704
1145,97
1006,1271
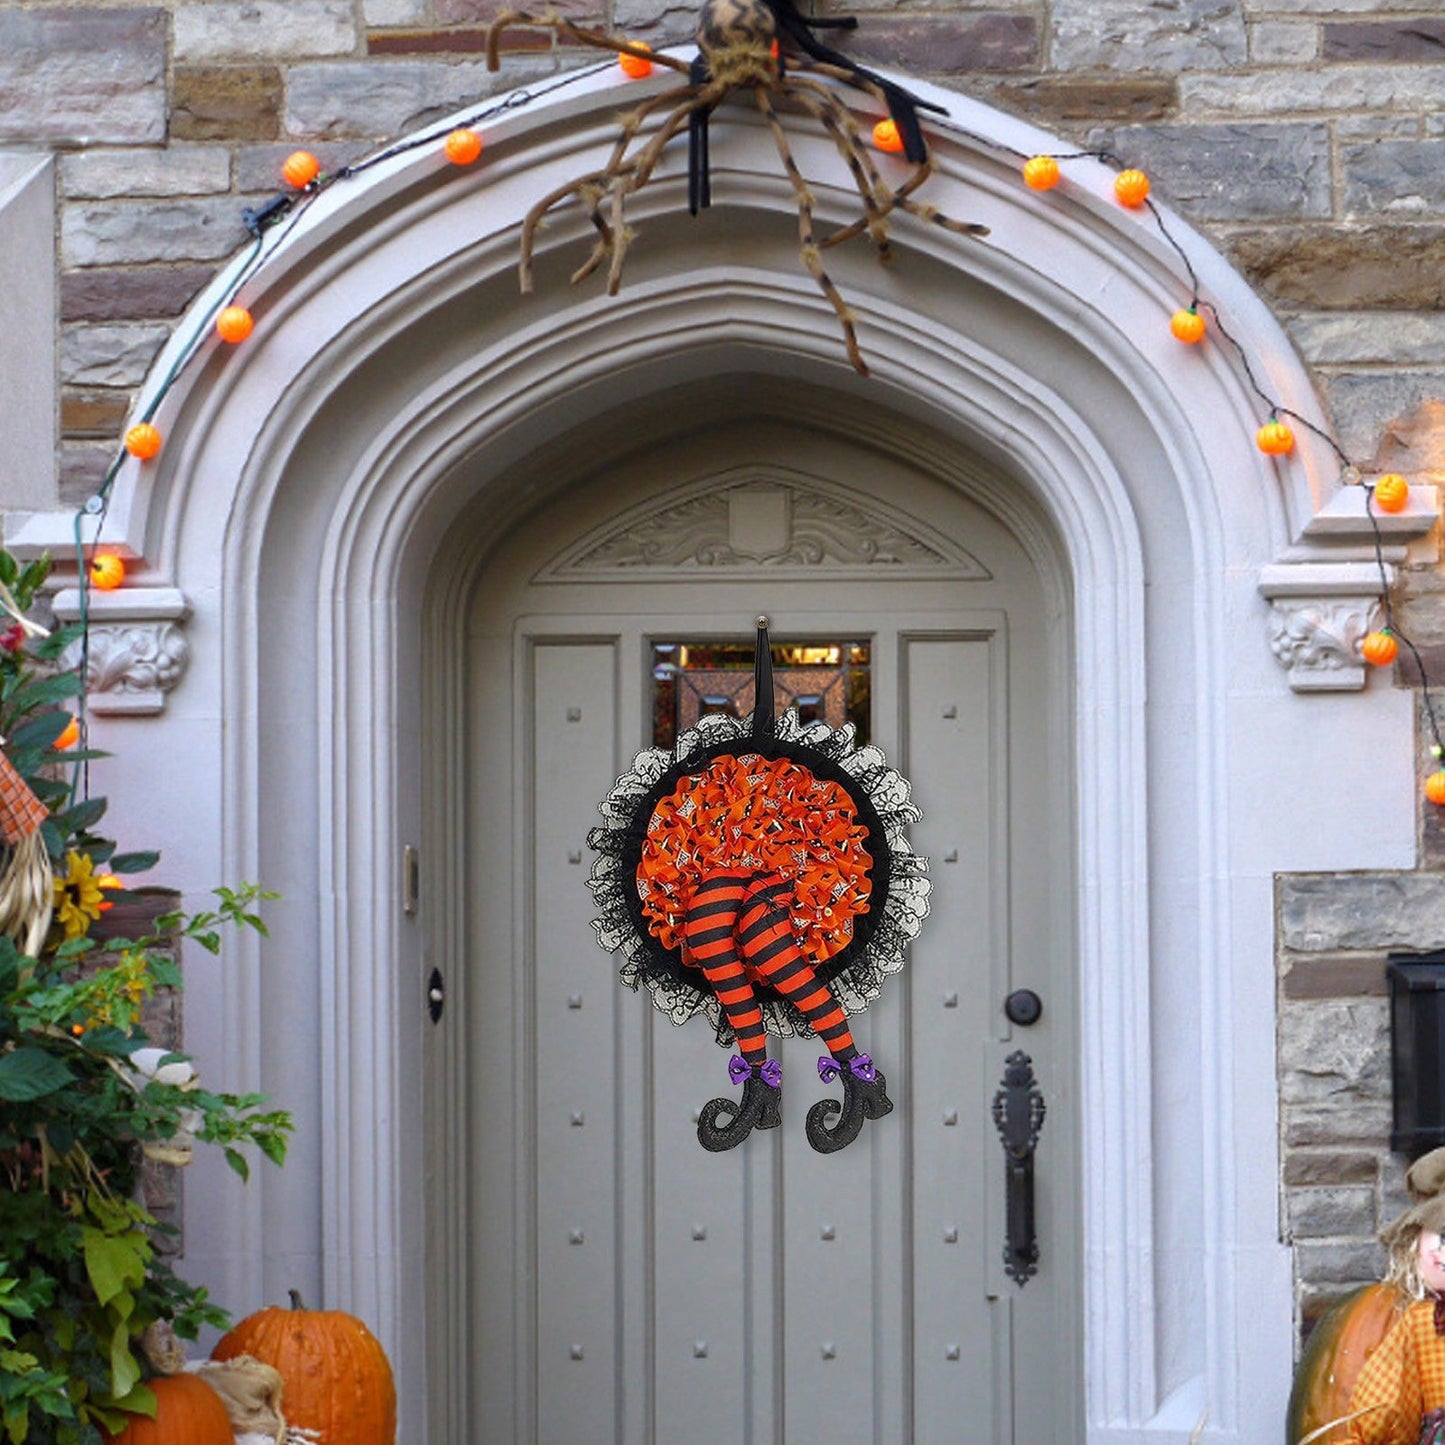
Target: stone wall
1306,138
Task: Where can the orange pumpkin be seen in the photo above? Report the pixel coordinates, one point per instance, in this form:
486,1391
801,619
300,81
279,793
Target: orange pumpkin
1337,1348
1380,649
886,137
69,735
1392,493
187,1409
1131,188
1187,326
143,441
107,571
1275,439
635,67
300,169
1041,173
338,1379
1435,788
234,324
463,146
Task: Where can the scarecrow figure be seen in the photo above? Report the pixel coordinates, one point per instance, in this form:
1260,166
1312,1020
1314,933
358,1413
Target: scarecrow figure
759,875
1399,1396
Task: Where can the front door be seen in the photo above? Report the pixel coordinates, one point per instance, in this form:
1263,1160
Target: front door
608,1280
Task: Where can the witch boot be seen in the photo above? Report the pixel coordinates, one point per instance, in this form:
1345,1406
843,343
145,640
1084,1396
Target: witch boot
865,1096
759,1108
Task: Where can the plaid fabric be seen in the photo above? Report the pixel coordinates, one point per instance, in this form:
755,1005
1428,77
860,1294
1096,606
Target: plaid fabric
21,812
1402,1382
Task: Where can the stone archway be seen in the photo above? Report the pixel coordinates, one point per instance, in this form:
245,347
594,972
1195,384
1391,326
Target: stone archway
395,378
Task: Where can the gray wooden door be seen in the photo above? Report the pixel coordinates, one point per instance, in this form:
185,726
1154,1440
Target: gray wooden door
622,1285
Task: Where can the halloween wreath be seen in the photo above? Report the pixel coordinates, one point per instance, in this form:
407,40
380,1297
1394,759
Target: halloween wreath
758,874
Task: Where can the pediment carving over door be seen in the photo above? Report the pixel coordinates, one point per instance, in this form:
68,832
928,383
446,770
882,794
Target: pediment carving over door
744,521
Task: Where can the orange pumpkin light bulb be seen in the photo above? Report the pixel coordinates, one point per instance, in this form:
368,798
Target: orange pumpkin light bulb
143,441
463,146
1392,493
1187,326
1275,439
107,571
1131,188
886,137
300,169
635,67
234,324
69,736
1380,649
1435,787
1041,173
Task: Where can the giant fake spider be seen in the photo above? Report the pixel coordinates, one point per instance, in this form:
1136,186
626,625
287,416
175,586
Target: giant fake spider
738,50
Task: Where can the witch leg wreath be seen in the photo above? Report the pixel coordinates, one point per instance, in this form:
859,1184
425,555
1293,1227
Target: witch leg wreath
760,875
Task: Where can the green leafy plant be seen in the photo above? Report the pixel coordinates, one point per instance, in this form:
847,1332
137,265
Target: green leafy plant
86,1099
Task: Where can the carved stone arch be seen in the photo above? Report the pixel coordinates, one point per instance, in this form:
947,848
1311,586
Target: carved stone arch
760,517
395,379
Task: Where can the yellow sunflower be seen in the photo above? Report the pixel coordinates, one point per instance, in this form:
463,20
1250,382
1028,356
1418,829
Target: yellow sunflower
78,895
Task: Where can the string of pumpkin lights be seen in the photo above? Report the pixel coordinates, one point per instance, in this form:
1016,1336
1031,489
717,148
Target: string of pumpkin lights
463,145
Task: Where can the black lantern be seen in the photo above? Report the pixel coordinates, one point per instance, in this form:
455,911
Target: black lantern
1417,1049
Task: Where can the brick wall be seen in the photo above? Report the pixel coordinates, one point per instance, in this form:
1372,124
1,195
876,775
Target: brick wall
1305,137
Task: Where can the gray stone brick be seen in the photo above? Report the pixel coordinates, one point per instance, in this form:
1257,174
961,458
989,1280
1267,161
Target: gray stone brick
264,30
1124,35
77,75
1384,264
1283,42
1348,1262
181,171
394,12
205,229
1329,912
1332,1167
130,293
1332,7
1362,1122
1333,88
947,45
1199,168
1378,127
109,355
1332,1212
1366,405
1334,1049
333,101
258,168
1401,177
83,466
1349,337
1382,40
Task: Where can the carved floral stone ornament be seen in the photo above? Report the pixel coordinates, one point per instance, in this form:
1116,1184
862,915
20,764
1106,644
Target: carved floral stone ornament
136,652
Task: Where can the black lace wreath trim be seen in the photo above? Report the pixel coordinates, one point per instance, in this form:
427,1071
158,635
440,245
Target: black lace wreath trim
898,900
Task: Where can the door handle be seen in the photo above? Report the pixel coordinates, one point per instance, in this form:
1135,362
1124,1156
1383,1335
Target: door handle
1018,1115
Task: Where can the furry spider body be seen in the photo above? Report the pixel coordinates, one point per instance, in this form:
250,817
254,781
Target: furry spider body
741,50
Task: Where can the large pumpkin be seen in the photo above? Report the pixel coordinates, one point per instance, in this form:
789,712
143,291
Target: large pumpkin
337,1378
1334,1355
188,1412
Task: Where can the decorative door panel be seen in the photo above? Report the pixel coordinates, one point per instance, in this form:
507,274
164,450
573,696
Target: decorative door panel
626,1287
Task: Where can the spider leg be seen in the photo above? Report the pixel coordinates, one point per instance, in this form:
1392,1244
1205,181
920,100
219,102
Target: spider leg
534,218
809,246
838,121
564,29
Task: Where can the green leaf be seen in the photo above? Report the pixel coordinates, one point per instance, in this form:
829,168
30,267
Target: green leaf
31,1073
9,569
133,862
39,732
49,648
46,692
81,816
139,1400
237,1161
124,1370
116,1265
